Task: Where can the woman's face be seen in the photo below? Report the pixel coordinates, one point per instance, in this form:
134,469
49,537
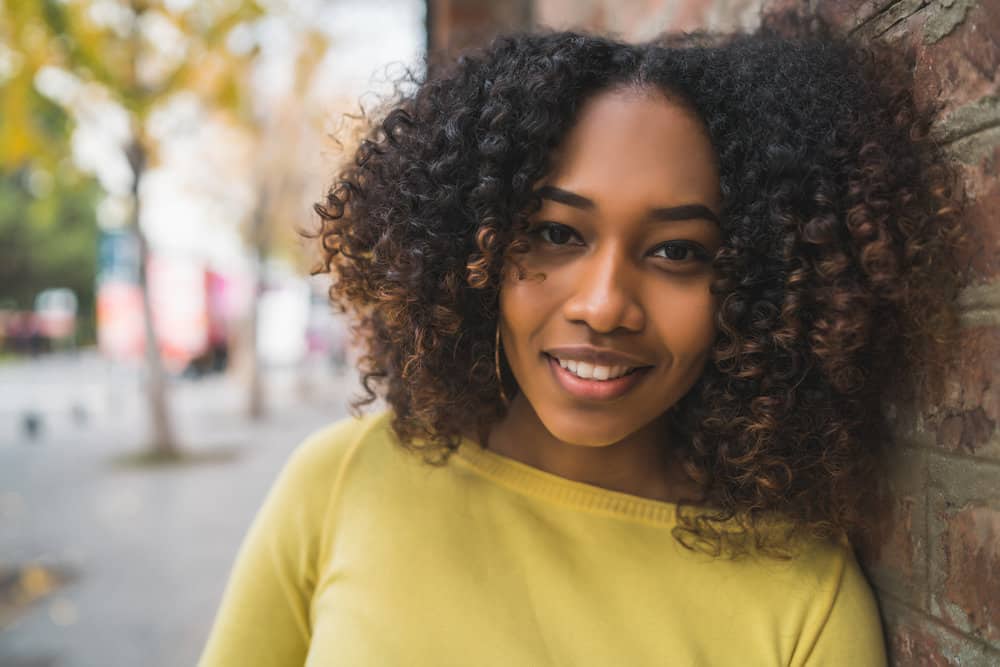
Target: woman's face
624,239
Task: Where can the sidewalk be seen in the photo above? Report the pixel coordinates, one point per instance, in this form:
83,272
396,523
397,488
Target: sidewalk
150,547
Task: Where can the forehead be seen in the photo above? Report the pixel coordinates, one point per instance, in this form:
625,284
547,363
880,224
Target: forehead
638,142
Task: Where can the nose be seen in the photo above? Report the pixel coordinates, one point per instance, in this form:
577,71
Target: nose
605,293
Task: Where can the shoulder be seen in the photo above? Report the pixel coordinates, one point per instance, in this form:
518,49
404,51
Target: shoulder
841,622
313,475
325,452
813,592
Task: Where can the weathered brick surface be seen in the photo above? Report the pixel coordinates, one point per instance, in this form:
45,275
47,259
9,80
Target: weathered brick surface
960,65
978,159
964,540
956,46
957,69
852,14
644,19
964,417
971,544
913,640
456,24
895,556
894,20
980,305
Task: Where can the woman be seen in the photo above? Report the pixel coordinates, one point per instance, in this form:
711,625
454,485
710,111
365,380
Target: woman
638,303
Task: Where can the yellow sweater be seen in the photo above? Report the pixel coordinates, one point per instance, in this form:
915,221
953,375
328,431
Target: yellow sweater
363,555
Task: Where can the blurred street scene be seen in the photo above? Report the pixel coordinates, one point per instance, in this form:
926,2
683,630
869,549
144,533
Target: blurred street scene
112,561
163,347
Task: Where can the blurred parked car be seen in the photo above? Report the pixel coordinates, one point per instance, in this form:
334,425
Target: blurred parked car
55,316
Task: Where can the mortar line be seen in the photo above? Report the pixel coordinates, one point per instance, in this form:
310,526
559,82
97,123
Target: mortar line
963,456
988,649
885,10
988,125
903,18
927,531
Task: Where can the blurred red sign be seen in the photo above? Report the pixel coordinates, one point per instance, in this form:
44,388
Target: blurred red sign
180,308
120,334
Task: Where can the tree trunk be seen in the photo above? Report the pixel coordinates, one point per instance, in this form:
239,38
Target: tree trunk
256,407
163,442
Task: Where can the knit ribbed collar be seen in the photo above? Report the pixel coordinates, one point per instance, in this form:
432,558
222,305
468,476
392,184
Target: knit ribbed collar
552,488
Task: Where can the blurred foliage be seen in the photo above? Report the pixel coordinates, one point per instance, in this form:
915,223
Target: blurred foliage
138,51
31,127
48,238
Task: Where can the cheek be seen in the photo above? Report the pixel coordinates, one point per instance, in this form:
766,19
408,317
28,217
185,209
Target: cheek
685,321
528,307
523,307
528,299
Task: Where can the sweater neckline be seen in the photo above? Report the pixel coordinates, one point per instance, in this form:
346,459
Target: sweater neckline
554,489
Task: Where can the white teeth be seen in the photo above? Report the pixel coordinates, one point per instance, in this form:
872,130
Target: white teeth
568,365
588,371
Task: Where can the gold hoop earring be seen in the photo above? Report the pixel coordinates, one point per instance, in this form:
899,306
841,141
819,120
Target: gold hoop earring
496,364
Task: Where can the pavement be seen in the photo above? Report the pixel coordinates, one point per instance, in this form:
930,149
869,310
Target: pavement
147,549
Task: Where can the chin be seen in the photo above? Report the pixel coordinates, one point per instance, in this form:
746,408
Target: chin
582,432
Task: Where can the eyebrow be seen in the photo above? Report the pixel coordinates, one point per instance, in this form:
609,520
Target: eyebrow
683,212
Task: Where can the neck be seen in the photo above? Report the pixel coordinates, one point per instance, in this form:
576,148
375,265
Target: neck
641,464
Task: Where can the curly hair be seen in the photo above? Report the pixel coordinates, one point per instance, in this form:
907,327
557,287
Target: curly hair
838,220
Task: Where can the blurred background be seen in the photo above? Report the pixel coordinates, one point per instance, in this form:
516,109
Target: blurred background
163,348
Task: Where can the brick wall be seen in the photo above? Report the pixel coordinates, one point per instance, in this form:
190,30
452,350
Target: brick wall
643,19
937,570
936,566
455,24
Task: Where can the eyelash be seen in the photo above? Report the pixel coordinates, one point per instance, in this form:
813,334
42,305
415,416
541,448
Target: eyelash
698,253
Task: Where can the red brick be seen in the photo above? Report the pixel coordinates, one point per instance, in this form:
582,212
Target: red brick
567,14
970,599
458,24
892,556
982,214
851,13
895,554
893,546
627,20
965,415
966,430
952,70
690,15
915,646
963,65
960,73
644,19
914,639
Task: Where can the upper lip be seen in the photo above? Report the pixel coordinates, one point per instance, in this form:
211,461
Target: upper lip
598,356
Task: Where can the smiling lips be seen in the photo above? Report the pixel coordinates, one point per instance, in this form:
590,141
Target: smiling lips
595,373
588,371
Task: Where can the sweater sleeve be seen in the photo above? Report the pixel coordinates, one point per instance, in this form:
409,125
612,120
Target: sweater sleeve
852,631
264,617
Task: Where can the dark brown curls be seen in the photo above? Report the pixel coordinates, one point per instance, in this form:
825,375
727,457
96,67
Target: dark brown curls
839,219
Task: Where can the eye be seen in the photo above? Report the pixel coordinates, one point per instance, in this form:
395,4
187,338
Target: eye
555,233
681,251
